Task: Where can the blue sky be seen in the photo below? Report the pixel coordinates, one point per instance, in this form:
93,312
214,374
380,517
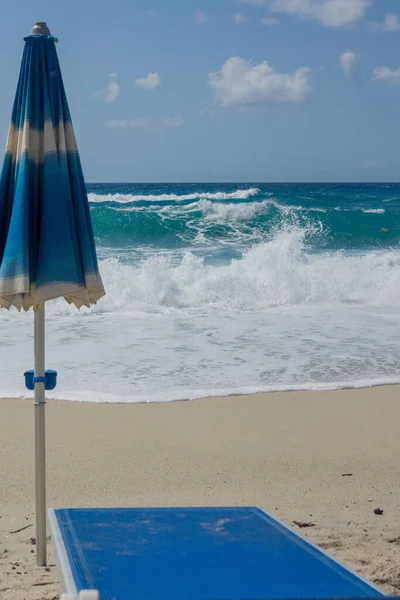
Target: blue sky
223,90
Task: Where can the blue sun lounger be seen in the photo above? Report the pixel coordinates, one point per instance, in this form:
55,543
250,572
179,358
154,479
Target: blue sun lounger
194,554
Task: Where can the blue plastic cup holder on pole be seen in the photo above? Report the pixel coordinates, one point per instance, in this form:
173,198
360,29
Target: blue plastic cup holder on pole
49,380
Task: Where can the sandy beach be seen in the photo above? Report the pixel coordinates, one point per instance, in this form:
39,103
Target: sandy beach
329,458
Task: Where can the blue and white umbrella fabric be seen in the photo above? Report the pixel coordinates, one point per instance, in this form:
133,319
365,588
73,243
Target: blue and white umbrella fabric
46,241
47,247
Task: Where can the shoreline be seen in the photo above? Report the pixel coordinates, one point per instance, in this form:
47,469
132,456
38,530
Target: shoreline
220,394
287,452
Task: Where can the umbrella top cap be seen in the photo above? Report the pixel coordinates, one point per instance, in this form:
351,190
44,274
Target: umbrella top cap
40,28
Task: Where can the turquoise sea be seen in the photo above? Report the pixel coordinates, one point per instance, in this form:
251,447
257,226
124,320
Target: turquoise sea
227,288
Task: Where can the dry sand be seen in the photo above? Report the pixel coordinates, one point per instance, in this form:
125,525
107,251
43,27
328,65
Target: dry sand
286,452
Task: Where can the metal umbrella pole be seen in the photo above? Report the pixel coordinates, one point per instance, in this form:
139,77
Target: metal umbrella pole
40,438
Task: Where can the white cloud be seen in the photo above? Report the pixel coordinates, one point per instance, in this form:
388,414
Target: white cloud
200,17
239,18
270,22
389,25
347,62
241,83
139,123
386,75
206,112
112,90
176,121
97,94
151,82
331,13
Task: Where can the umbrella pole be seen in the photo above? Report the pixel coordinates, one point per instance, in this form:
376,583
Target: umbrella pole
40,440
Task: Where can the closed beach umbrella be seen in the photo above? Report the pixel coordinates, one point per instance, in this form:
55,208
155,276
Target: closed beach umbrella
47,248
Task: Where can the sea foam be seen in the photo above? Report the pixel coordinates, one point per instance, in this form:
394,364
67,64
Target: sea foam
127,198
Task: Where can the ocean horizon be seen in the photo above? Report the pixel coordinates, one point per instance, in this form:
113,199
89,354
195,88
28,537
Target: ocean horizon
227,288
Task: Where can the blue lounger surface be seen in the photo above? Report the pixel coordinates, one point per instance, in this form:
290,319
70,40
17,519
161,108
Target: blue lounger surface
194,554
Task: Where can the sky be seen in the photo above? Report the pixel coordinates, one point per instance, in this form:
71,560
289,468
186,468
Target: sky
222,90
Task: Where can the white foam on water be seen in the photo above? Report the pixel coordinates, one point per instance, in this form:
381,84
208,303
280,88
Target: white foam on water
227,213
173,327
127,198
223,211
136,358
290,208
276,273
220,212
376,211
